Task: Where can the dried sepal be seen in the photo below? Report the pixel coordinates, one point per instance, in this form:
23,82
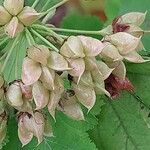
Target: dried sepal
14,7
5,17
13,27
24,135
28,16
110,53
35,124
134,57
85,95
104,69
72,48
14,95
40,95
92,47
57,62
26,90
120,69
86,79
135,31
124,42
55,96
78,67
47,78
136,18
31,71
72,109
38,53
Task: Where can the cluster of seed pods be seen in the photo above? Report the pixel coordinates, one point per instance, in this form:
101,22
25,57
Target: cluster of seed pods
91,66
14,16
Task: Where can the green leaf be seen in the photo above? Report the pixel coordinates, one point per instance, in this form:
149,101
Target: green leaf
68,135
122,126
13,67
12,133
42,5
77,21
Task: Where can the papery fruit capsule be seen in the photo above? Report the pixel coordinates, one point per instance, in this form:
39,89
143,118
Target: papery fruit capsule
136,18
35,124
72,109
125,42
85,95
92,47
13,27
4,16
31,71
14,95
38,53
47,78
26,90
72,48
40,95
14,6
57,62
24,135
28,16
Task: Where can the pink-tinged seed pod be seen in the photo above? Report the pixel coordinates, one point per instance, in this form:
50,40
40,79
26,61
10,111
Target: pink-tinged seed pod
125,42
119,69
90,63
24,135
14,7
85,95
110,53
55,96
134,57
92,47
26,90
72,48
136,18
38,53
86,79
47,78
26,107
28,16
57,62
14,95
78,67
104,69
5,17
135,31
40,95
31,71
35,124
72,109
13,27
